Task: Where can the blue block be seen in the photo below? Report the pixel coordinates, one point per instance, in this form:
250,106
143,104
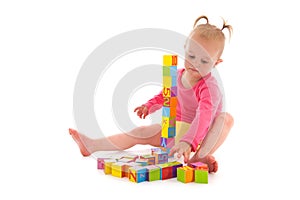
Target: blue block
166,111
173,81
174,91
171,132
173,71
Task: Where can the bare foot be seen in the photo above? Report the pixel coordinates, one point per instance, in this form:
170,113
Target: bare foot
77,137
209,160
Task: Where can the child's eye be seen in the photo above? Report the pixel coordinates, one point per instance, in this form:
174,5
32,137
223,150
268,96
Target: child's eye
204,61
192,57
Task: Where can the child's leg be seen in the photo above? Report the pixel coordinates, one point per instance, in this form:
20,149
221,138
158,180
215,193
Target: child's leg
141,135
214,139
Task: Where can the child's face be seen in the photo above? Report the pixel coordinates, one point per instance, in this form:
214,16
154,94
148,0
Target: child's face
201,55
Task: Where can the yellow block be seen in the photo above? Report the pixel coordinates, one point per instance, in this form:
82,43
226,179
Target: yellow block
167,81
165,127
169,60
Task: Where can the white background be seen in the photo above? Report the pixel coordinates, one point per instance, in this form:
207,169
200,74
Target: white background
42,48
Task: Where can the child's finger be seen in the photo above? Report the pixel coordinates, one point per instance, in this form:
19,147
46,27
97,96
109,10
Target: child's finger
172,151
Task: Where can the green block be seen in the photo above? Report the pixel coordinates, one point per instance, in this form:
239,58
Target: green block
153,173
180,175
166,71
201,176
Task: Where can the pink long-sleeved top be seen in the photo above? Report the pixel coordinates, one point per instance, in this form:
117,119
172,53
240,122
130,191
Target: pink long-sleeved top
197,106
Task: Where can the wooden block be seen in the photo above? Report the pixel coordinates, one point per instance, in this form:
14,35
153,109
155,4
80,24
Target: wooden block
173,81
198,165
172,119
107,165
201,176
153,173
169,60
137,174
173,71
100,163
167,142
118,169
127,166
174,91
160,157
142,161
185,174
166,91
173,102
174,166
166,111
167,101
167,81
150,159
167,71
166,171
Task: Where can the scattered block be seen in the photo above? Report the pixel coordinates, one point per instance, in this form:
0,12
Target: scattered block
185,174
201,176
137,174
153,173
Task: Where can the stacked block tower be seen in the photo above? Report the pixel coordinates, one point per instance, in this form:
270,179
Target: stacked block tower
169,93
158,165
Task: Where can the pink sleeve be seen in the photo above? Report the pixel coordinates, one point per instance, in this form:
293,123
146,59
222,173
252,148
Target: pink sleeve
155,103
206,111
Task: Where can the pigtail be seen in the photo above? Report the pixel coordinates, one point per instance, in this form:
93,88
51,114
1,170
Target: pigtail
228,27
199,18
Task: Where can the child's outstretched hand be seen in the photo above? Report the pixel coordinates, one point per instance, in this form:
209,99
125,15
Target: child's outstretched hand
142,111
182,149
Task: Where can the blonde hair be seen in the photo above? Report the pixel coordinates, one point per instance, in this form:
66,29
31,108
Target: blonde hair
209,31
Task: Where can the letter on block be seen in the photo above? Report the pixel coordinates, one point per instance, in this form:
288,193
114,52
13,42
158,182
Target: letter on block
185,174
118,169
167,142
137,174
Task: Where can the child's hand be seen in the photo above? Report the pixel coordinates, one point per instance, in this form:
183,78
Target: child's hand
183,149
142,111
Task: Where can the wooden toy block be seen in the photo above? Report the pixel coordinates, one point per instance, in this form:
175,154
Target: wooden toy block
126,160
172,120
100,163
137,174
174,91
173,102
198,165
107,165
166,92
201,176
142,161
165,111
167,101
185,174
153,173
150,159
173,81
166,171
167,81
169,60
173,71
173,115
127,166
167,71
174,166
167,142
160,157
118,169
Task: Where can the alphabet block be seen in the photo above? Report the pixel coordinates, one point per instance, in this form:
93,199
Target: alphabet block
169,60
137,174
185,174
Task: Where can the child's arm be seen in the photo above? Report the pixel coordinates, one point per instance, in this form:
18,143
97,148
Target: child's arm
151,106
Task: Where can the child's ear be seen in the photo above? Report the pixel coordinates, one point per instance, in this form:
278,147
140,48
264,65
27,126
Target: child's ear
218,62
